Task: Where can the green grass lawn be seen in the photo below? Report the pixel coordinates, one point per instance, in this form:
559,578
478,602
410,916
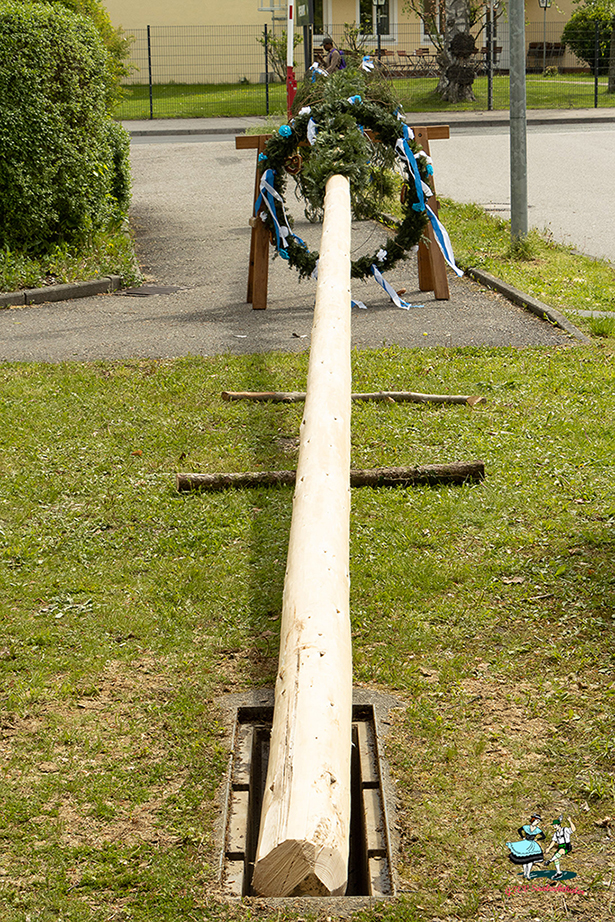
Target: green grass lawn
551,272
104,253
417,95
127,610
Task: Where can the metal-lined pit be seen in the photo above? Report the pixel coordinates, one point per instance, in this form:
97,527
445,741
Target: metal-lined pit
370,862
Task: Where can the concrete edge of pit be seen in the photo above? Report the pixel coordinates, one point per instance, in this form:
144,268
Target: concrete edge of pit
382,704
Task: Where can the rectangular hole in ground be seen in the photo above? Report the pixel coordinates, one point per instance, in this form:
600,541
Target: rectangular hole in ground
369,866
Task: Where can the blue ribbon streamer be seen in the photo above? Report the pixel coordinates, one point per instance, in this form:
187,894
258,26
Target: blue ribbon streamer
268,197
408,155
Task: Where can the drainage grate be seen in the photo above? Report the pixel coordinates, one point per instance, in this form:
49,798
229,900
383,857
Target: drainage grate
146,291
370,860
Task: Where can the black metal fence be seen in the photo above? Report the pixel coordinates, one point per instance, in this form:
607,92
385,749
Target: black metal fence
183,71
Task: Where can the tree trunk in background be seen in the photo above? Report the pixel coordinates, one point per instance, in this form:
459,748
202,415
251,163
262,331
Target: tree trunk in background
457,73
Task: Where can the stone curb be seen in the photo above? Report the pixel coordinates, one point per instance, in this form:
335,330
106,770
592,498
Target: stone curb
66,292
180,132
110,283
531,304
454,120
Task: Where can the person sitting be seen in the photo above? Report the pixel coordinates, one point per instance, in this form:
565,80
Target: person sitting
335,58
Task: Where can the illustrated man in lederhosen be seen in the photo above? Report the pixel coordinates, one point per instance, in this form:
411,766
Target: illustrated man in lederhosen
562,844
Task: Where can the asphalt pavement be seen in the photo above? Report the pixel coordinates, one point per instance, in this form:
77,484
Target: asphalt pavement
190,212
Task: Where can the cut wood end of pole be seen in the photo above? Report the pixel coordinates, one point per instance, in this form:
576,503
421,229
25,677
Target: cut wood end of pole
300,868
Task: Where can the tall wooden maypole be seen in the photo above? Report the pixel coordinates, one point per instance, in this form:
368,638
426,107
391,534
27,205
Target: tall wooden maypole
305,821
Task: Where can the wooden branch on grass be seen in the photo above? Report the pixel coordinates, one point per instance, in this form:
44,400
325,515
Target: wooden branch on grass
388,396
432,474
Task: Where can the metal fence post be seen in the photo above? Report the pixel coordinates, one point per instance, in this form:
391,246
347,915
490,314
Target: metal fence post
518,123
266,71
490,58
596,60
149,70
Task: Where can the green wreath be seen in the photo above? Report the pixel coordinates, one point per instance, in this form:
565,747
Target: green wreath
328,138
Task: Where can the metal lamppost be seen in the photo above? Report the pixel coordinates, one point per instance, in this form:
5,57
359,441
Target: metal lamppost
379,5
518,123
544,5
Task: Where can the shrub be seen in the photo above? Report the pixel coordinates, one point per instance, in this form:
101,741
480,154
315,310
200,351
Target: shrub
63,162
115,41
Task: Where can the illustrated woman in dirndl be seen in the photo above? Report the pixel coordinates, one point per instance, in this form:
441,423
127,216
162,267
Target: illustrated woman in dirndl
527,851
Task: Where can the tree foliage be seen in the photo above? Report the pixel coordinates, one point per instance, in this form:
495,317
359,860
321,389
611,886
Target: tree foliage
580,33
64,168
277,50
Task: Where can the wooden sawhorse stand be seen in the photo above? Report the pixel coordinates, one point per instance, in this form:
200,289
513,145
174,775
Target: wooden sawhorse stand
431,264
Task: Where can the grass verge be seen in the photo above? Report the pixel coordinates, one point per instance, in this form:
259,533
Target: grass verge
417,94
106,253
550,271
127,609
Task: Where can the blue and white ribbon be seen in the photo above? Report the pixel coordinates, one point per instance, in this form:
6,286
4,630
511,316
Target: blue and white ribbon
406,154
268,197
423,191
444,241
397,301
311,131
317,69
366,63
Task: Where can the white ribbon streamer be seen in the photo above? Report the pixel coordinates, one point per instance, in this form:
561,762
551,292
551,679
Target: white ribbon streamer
266,187
397,301
311,131
444,241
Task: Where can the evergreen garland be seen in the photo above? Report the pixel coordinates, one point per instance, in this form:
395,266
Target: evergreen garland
341,109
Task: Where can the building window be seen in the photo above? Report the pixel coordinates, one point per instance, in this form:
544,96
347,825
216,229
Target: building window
322,18
434,21
372,15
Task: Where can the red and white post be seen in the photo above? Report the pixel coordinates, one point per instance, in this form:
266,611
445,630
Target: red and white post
291,81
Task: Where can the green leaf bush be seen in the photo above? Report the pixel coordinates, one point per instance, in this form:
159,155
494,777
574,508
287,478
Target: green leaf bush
64,165
579,33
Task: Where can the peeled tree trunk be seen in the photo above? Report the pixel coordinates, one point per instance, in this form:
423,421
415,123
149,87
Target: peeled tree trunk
305,821
457,73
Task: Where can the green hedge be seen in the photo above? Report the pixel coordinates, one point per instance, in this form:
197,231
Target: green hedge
64,168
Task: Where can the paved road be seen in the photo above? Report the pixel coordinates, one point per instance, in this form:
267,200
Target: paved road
570,179
190,212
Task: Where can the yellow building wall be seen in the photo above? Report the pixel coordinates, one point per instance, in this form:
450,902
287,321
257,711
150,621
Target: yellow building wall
139,13
205,42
